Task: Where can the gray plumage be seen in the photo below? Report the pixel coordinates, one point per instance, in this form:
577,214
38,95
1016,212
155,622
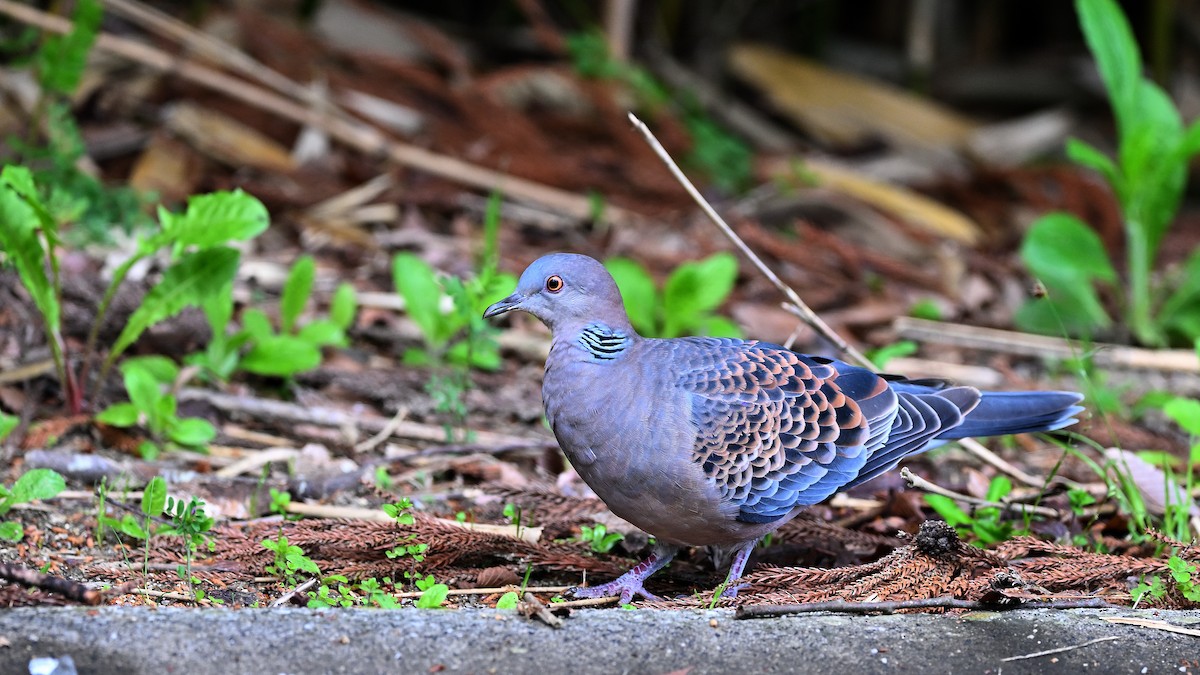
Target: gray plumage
716,442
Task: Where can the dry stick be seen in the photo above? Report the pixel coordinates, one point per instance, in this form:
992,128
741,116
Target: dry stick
915,481
72,590
384,433
850,607
490,591
1059,650
797,307
360,136
287,597
802,310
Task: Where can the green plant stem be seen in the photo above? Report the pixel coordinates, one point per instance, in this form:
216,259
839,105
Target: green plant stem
1139,285
89,351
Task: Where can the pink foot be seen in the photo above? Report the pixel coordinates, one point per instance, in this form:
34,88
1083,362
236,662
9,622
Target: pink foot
629,584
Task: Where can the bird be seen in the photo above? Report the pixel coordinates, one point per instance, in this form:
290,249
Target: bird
716,442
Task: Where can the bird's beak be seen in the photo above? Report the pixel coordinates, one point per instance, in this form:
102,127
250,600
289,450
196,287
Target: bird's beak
506,305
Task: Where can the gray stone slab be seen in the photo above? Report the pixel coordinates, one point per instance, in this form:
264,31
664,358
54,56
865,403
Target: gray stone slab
224,642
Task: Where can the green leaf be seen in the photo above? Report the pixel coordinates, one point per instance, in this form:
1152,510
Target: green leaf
143,388
1191,141
303,563
507,601
129,526
215,219
21,245
416,283
11,530
949,510
154,497
343,306
296,291
433,597
119,415
162,369
37,484
696,288
187,283
62,59
1116,52
638,291
256,324
1087,155
193,432
1186,413
882,355
281,356
7,424
162,416
999,488
1068,257
719,326
322,333
1186,295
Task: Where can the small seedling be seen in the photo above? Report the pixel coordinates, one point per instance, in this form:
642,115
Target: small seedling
599,538
687,302
32,485
289,560
433,594
190,522
147,379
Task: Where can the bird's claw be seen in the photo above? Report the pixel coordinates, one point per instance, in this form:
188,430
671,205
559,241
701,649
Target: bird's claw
626,588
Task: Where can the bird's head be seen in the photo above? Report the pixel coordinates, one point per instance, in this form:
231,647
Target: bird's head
566,290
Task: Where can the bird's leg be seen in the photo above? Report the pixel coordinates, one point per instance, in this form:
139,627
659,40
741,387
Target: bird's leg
731,584
630,584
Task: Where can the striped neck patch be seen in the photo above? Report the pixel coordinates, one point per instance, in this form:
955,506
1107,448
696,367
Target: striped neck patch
603,343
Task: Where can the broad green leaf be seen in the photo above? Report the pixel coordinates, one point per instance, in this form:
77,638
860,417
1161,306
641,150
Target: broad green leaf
218,309
296,291
322,333
162,416
1186,413
1116,52
1087,155
1191,141
416,283
719,326
1186,295
507,601
302,563
281,356
21,245
62,59
638,291
187,283
485,355
130,527
11,530
37,484
163,370
192,432
343,306
119,415
7,424
1068,257
215,219
256,324
999,488
1061,246
433,597
154,497
143,388
949,510
696,288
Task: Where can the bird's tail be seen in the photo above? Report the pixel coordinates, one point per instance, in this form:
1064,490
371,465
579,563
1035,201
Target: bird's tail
1017,412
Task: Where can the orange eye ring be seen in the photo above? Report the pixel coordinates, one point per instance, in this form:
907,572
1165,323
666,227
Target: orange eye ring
554,283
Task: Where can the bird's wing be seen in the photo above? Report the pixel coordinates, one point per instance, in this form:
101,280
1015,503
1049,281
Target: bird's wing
777,429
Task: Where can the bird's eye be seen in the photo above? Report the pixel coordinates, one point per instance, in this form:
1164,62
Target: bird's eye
554,283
